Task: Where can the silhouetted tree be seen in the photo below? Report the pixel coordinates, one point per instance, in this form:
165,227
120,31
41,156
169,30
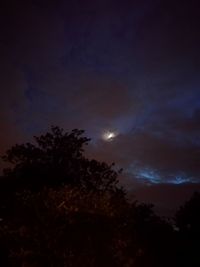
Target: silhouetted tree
58,208
57,158
188,216
150,237
187,220
65,226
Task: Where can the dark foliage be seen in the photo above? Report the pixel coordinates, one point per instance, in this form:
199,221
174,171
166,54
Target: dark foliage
57,159
188,222
59,208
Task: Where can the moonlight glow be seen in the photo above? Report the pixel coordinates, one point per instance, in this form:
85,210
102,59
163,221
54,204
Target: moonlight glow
109,136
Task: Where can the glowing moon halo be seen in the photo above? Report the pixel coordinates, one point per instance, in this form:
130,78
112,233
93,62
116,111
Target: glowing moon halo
109,136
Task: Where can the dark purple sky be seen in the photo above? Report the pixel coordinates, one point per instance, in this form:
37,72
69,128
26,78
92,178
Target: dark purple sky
126,66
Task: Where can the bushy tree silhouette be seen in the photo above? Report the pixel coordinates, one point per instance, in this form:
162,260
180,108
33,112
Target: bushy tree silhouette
65,226
57,158
58,208
187,220
188,216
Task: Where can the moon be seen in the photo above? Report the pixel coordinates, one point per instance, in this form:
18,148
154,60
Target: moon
109,136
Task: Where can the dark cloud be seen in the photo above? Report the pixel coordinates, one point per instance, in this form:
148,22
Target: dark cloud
144,150
164,145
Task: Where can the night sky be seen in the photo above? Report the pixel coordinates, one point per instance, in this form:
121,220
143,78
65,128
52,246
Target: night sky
129,68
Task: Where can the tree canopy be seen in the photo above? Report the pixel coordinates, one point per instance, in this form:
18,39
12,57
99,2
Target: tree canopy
57,158
59,208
